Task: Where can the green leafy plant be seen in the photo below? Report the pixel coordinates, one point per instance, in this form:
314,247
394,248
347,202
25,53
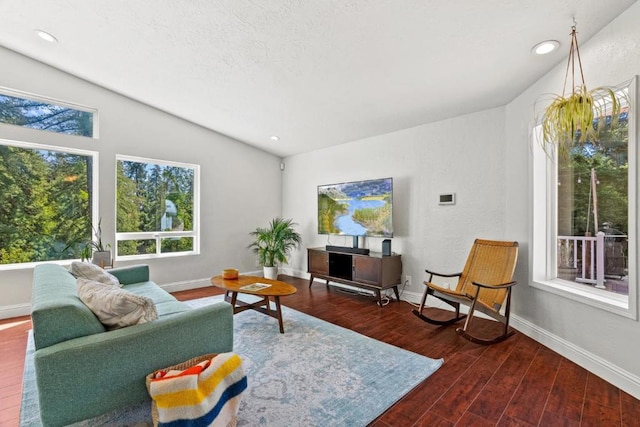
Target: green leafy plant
580,116
94,245
274,243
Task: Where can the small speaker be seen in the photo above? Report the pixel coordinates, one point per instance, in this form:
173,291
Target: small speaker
386,247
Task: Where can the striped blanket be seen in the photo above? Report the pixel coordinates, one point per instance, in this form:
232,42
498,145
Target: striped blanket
207,394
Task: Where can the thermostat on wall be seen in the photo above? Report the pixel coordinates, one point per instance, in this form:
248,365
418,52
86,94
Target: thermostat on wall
448,199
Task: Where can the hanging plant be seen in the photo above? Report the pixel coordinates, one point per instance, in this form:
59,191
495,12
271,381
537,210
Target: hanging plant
581,115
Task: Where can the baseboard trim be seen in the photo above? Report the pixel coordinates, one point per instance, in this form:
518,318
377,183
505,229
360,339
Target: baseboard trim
17,310
617,376
186,285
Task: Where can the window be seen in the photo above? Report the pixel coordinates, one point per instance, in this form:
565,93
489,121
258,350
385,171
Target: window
585,217
46,202
157,208
36,112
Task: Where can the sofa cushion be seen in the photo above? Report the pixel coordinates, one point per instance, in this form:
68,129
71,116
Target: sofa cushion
93,272
115,307
150,290
169,308
166,304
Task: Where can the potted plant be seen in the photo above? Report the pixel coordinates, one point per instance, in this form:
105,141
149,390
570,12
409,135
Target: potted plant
273,244
578,117
99,253
570,119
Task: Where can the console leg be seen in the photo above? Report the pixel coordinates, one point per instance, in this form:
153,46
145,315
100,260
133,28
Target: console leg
379,295
395,290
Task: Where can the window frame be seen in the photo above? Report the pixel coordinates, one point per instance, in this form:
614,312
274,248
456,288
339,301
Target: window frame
543,255
33,97
159,235
95,216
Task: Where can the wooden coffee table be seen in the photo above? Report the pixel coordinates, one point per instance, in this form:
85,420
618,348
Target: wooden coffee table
242,285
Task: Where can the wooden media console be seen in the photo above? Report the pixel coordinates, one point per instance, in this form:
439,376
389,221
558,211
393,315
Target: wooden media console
374,271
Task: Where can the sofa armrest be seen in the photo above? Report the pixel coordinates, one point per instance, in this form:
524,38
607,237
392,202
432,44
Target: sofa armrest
131,274
88,376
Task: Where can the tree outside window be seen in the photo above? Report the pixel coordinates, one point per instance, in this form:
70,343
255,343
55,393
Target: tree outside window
44,115
593,197
45,203
155,207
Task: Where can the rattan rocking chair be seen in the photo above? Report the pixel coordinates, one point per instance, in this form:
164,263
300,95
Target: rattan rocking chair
483,285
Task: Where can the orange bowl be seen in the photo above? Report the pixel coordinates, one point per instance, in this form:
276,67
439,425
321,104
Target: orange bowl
230,273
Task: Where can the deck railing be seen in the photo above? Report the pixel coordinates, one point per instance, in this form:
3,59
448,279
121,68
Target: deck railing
586,256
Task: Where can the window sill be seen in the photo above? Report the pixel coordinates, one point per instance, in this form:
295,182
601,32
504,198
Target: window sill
31,265
152,256
604,300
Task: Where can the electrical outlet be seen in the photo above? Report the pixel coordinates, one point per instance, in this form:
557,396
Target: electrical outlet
407,280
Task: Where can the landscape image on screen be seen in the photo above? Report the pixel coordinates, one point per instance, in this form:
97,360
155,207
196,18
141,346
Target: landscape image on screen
361,208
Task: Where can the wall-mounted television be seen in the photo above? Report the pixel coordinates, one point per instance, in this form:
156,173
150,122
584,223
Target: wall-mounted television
358,208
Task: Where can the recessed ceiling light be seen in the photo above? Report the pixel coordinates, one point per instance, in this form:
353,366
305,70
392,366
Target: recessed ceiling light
545,47
46,36
274,138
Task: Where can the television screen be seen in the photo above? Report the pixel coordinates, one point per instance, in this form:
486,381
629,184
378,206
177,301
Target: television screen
359,208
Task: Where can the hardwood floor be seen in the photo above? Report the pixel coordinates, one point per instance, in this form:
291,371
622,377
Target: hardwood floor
13,336
515,383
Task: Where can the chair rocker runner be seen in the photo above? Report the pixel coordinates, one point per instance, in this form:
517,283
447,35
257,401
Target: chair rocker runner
483,285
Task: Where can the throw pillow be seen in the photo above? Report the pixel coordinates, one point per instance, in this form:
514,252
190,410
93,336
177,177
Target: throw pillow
93,272
115,307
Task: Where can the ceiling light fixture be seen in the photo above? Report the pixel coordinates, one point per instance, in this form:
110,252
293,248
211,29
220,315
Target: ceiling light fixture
46,36
275,138
545,47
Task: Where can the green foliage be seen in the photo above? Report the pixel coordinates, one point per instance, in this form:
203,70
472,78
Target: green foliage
328,211
95,245
180,244
580,116
127,209
44,204
374,219
143,189
570,119
273,244
608,158
45,116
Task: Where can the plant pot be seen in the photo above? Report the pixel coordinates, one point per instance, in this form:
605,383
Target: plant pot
270,273
102,258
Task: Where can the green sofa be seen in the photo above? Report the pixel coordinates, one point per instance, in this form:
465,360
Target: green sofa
83,370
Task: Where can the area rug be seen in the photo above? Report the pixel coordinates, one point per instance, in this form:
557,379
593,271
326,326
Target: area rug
315,374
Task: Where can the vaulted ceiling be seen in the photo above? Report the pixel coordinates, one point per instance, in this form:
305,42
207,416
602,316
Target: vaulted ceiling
316,73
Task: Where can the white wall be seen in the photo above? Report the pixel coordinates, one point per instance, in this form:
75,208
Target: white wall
606,343
240,185
463,155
